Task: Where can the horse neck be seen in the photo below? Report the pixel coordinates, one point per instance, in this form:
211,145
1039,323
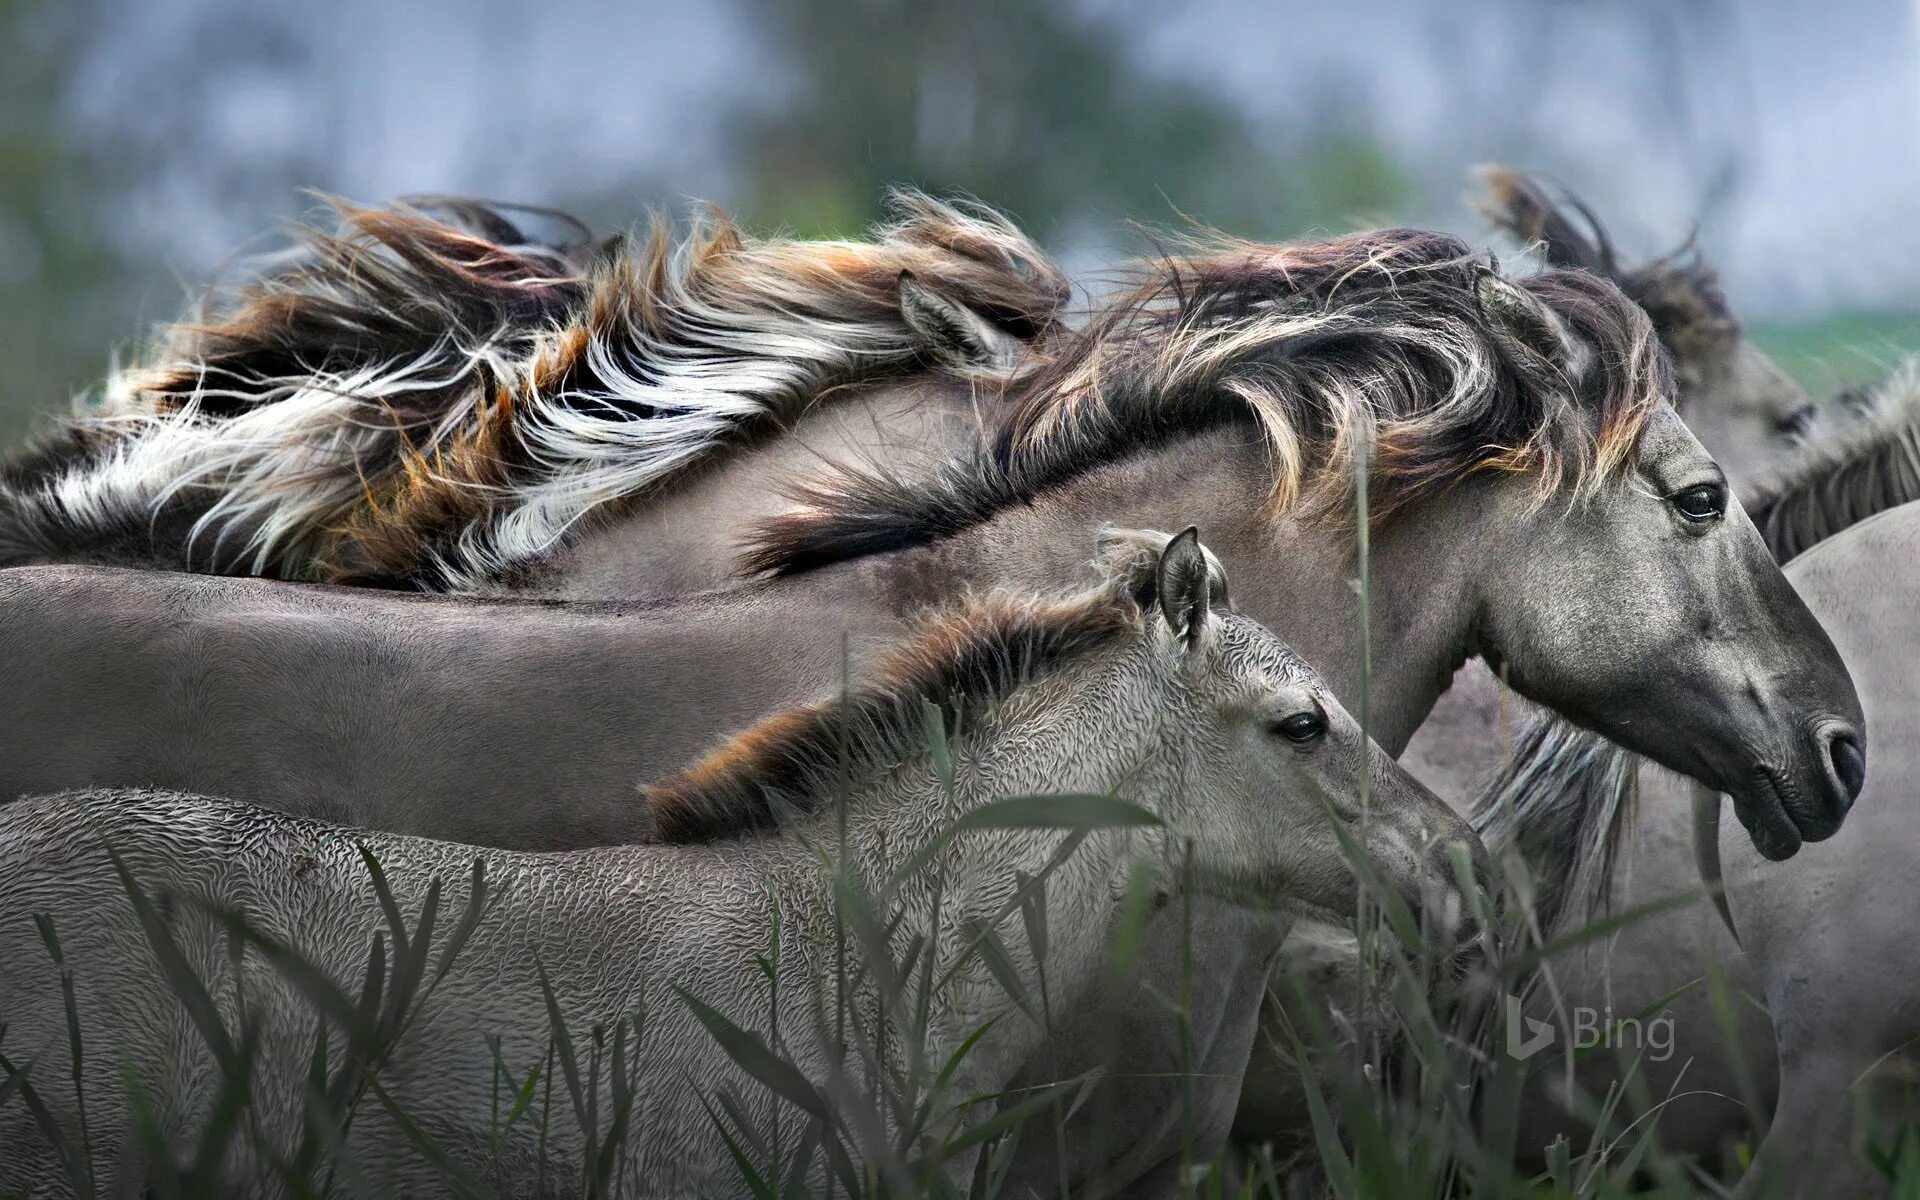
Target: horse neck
1293,576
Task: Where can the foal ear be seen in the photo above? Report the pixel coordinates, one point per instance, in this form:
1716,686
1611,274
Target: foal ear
1522,325
954,333
1185,585
1130,560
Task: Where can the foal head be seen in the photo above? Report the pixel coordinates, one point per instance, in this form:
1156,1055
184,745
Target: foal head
1274,782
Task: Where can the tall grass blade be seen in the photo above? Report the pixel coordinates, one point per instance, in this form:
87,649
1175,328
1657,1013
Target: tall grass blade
182,980
78,1176
470,917
999,964
457,1178
76,1052
563,1048
751,1055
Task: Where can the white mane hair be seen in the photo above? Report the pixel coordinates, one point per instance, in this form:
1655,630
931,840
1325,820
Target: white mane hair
425,395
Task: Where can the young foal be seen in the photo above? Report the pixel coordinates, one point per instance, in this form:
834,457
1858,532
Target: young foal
1147,686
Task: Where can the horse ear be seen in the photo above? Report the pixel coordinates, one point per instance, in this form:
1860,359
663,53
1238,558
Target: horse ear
1185,586
1522,324
954,333
1131,559
1518,204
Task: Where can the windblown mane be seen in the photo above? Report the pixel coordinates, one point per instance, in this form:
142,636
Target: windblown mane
1679,291
1376,337
963,663
1563,800
1844,479
426,397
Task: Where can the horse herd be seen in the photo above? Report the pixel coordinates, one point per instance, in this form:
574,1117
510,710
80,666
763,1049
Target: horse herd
440,538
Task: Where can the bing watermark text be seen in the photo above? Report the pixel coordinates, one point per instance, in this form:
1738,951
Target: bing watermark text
1586,1029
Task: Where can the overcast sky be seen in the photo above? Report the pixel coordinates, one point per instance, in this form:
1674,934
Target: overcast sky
1790,129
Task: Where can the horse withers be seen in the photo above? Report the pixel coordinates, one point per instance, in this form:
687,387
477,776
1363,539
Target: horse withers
1248,775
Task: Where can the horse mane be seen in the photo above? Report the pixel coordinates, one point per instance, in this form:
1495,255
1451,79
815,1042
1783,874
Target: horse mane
1679,291
1562,800
266,413
963,663
1374,339
1844,479
424,395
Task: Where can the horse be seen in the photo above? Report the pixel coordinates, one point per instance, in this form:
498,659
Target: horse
1250,776
427,396
1748,413
1530,496
1601,827
1737,401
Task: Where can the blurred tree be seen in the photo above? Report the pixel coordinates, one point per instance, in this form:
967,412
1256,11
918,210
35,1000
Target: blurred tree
57,257
1036,107
115,162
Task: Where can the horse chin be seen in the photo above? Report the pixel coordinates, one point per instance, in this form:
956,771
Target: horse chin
1762,810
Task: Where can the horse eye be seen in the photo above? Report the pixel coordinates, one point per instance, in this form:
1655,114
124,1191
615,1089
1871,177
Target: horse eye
1707,502
1799,422
1302,729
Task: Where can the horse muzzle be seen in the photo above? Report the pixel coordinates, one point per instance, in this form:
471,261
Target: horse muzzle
1783,808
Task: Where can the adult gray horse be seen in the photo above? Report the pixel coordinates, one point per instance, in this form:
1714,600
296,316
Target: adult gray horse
1748,413
428,396
1554,794
1830,947
1487,404
1590,817
1144,687
1532,498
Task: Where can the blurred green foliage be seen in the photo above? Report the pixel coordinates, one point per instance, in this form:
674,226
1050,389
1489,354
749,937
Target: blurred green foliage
1037,108
1043,110
58,260
1841,350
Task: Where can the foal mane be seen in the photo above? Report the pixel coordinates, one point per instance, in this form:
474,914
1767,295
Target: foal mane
963,663
1376,338
1841,480
424,395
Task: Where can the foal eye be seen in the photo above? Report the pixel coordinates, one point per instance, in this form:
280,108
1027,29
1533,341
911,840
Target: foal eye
1302,729
1707,502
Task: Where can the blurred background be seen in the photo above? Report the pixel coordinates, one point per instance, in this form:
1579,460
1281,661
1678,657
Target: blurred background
142,144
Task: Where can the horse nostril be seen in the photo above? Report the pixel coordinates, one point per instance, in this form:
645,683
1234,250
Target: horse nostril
1849,763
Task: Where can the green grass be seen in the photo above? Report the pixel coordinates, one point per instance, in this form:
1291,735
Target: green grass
1421,1104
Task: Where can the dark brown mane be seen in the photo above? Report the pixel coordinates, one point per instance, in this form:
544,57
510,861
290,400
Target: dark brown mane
962,663
1377,336
1842,480
1679,291
426,396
